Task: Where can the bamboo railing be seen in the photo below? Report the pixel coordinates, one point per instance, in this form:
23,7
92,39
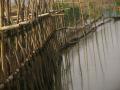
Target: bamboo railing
33,35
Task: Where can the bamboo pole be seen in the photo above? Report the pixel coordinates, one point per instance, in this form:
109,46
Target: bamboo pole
18,13
8,11
2,40
1,12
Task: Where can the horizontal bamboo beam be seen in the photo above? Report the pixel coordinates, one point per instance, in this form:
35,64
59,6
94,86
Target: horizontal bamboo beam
15,26
10,27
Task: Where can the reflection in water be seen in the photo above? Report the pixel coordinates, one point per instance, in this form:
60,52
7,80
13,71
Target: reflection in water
95,65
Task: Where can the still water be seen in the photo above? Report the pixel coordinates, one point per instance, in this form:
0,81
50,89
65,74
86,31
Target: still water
95,61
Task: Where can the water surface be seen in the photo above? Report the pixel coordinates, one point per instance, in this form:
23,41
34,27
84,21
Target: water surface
97,65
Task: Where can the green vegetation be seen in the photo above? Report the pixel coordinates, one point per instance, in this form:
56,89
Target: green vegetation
113,10
117,3
93,11
117,9
71,13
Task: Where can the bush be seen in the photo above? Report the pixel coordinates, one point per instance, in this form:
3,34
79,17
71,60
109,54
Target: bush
71,14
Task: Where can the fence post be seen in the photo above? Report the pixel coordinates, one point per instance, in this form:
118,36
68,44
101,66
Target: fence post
2,55
1,12
8,11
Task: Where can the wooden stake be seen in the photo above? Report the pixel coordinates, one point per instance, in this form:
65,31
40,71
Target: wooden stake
2,39
1,12
8,11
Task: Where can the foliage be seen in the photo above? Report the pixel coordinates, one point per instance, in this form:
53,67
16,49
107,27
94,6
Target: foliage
60,6
94,11
71,13
117,3
113,10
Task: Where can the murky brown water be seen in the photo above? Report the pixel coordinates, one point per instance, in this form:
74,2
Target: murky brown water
99,57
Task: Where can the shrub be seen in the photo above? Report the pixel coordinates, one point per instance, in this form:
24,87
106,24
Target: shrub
71,14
